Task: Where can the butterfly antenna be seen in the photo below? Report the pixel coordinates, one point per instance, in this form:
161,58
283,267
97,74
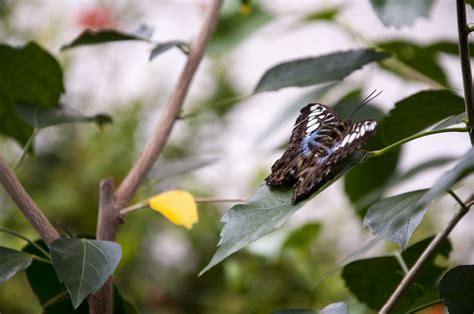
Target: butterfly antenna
366,101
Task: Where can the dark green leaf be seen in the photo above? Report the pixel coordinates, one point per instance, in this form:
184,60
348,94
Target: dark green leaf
323,69
471,3
165,46
335,308
266,211
462,169
373,280
53,296
457,289
12,262
423,59
397,217
399,13
91,37
45,117
234,27
84,265
417,112
452,120
28,75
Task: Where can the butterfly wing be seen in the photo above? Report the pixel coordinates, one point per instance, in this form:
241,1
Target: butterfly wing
313,123
334,148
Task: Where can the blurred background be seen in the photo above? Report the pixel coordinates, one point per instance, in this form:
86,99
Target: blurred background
223,147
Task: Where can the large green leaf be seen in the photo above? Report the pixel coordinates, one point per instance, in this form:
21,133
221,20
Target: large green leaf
234,27
462,169
12,262
452,120
267,210
457,287
53,296
84,265
396,218
373,280
28,75
399,13
417,112
311,71
92,37
44,117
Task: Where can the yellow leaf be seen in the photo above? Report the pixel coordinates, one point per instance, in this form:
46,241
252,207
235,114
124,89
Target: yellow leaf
177,206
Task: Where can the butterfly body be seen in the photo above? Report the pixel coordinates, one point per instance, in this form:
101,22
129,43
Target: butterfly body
318,141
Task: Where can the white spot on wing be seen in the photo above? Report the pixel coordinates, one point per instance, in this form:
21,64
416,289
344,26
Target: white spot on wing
311,129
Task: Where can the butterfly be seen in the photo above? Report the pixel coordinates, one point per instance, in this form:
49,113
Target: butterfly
318,141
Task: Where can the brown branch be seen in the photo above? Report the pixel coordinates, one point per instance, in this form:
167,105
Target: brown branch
27,206
427,253
155,145
463,32
107,226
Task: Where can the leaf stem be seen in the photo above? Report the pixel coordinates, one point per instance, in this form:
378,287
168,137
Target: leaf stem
380,152
463,34
40,259
25,150
427,253
15,234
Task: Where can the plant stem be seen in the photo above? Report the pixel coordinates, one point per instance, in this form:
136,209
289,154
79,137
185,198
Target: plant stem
13,233
155,145
25,150
40,259
377,153
427,253
27,206
463,33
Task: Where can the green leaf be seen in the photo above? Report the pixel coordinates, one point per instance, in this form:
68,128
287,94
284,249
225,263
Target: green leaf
462,169
234,27
417,112
456,288
91,37
267,210
160,48
471,3
323,69
451,120
12,262
28,75
399,13
44,117
423,59
373,280
53,297
335,308
396,218
84,265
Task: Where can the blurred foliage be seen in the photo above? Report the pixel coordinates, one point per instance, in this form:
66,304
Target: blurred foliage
160,262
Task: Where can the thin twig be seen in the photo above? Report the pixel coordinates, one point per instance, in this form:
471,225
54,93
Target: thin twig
155,145
463,33
427,253
27,206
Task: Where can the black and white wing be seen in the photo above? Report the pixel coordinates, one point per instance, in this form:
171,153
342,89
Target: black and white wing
332,149
314,123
